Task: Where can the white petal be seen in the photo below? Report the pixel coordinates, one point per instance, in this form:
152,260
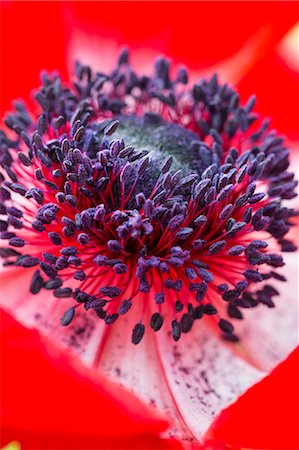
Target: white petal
269,335
140,369
204,374
191,381
43,311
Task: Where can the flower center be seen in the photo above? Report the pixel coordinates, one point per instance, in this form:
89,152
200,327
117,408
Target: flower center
152,133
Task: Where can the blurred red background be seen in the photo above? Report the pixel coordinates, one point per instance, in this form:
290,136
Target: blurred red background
47,35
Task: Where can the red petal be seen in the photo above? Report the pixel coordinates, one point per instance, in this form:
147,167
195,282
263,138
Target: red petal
266,417
49,400
32,39
196,33
277,90
237,39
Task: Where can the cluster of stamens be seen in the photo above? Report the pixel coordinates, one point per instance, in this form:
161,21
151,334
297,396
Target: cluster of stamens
136,189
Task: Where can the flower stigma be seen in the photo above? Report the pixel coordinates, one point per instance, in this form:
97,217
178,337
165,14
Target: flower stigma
130,189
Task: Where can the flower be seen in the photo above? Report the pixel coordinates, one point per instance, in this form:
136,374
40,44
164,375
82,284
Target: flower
104,220
104,211
73,398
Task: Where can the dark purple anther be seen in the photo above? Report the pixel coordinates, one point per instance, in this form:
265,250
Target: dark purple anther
216,247
179,306
253,275
110,291
190,273
83,238
114,246
166,164
100,260
48,269
53,284
69,251
209,309
156,321
176,221
176,330
55,238
124,307
99,213
68,316
255,198
205,275
225,213
63,292
222,287
111,127
236,250
138,333
120,269
16,242
186,323
148,208
200,220
201,291
74,261
80,275
37,283
225,326
61,263
159,298
225,192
